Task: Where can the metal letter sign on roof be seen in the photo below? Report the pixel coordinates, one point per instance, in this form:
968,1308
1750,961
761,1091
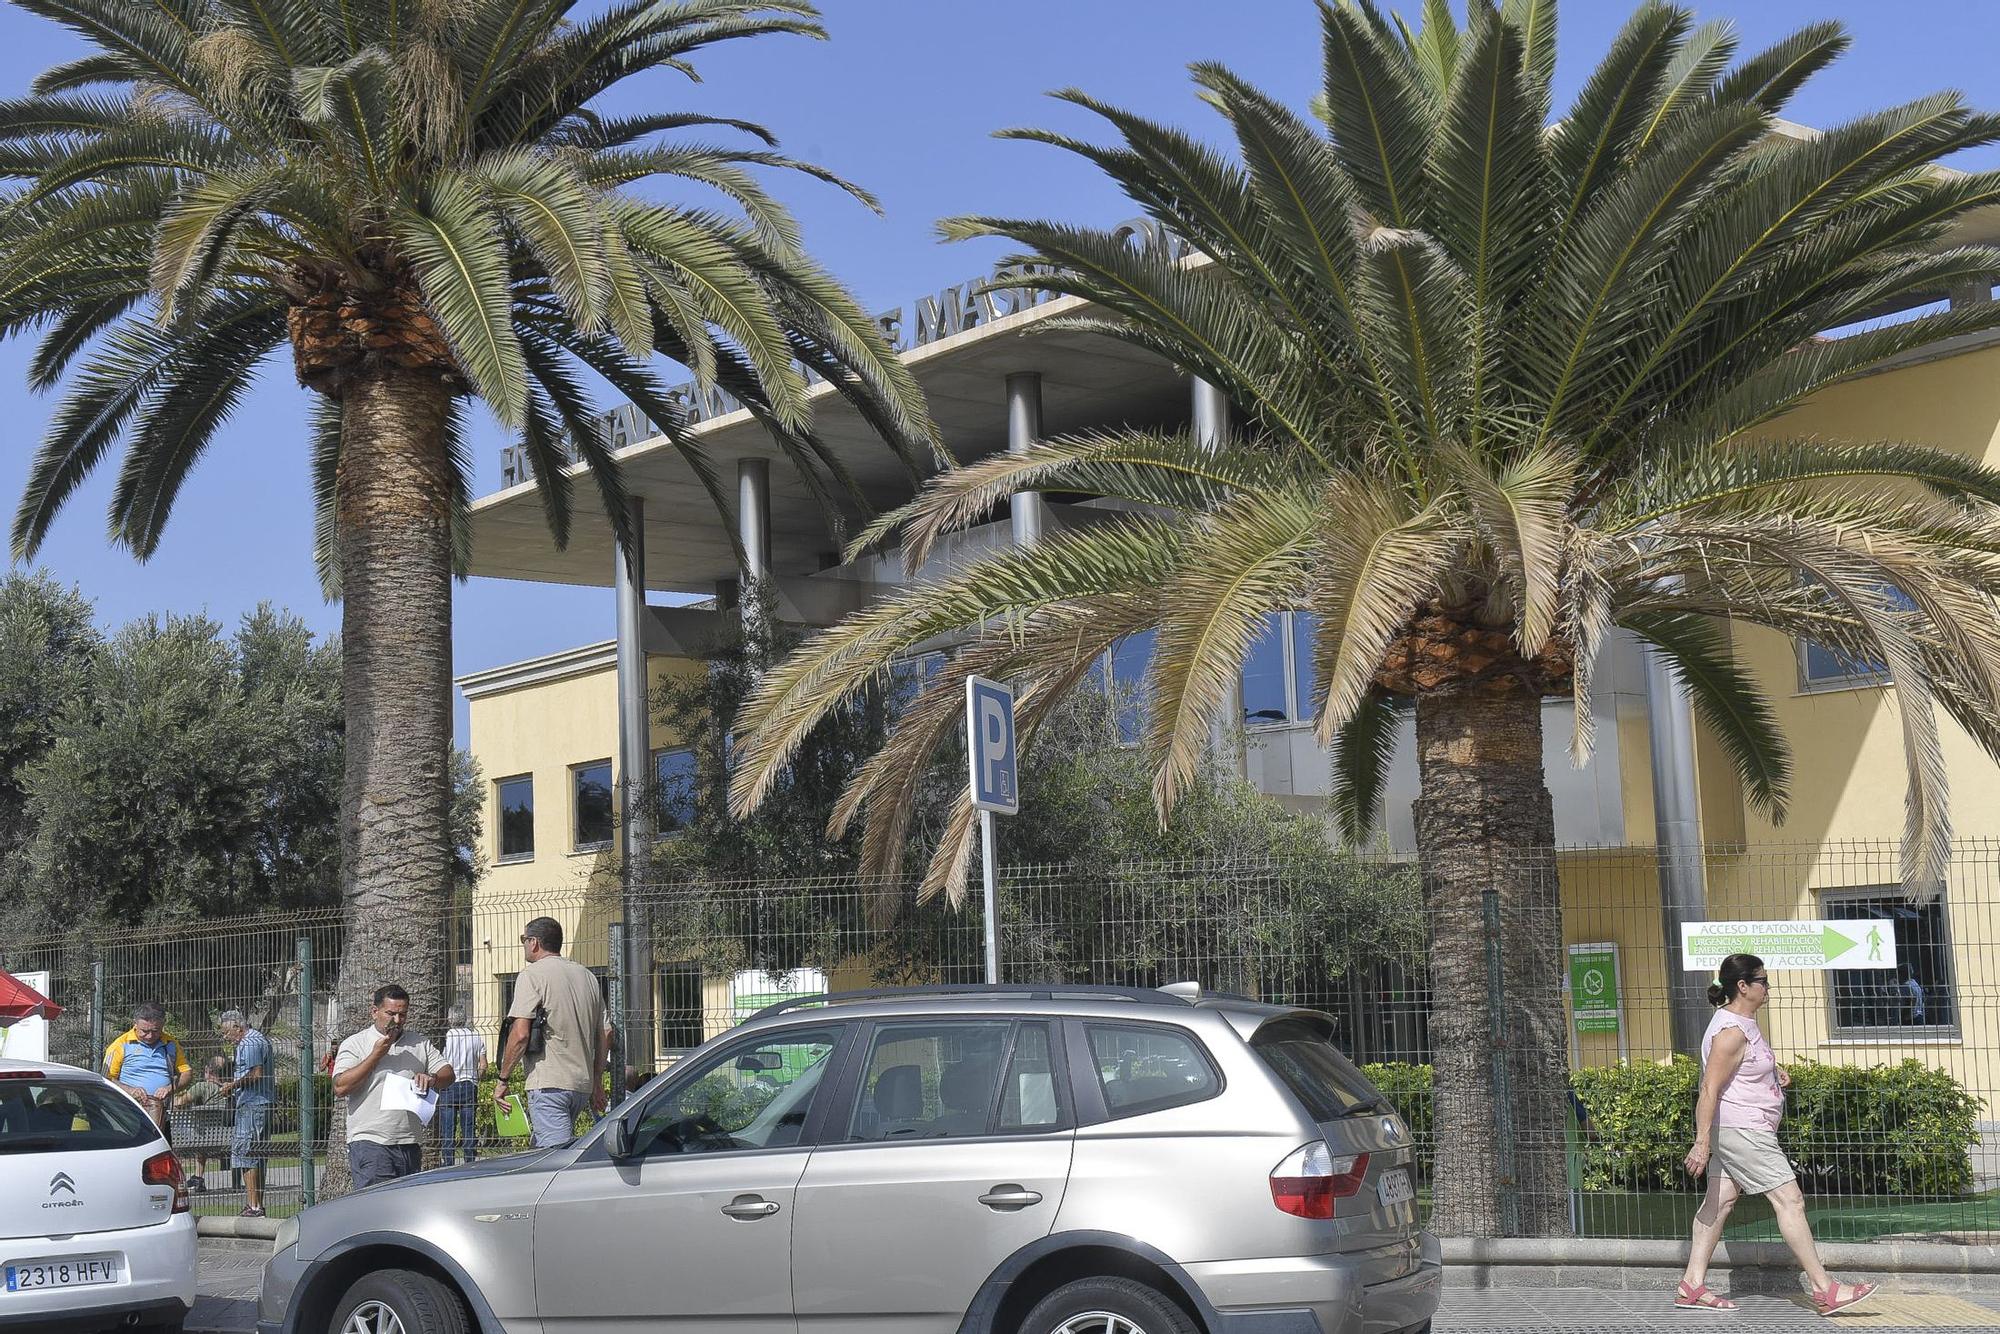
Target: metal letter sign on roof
989,727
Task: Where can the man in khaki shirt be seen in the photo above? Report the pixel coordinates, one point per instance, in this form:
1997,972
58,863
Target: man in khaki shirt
567,1074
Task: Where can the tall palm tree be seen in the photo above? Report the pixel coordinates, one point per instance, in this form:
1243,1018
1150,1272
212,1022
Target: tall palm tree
425,202
1507,385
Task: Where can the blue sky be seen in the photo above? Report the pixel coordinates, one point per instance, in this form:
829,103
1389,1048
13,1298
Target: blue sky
902,99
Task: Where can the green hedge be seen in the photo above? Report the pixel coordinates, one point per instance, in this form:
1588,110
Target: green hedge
1903,1129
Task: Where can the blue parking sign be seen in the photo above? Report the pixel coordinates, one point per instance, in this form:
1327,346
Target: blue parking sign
989,734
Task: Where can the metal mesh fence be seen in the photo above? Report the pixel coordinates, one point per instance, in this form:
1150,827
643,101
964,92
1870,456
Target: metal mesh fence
1567,1089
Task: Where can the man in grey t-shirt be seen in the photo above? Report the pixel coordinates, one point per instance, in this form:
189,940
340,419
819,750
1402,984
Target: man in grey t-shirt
384,1143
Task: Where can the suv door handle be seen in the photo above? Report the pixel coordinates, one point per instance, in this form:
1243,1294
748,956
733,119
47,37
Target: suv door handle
1010,1197
750,1206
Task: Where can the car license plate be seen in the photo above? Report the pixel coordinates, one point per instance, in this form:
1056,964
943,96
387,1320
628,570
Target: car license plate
82,1272
1394,1186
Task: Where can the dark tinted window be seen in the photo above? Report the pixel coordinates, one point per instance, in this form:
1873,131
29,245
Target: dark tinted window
1264,675
674,773
1147,1069
1304,626
1918,992
929,1081
516,799
1299,1053
681,1026
63,1116
1130,659
592,803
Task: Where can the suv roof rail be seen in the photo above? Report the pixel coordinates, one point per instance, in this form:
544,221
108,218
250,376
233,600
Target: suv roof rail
1016,990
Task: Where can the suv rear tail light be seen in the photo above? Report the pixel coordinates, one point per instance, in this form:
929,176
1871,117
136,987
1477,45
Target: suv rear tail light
22,1074
163,1169
1308,1182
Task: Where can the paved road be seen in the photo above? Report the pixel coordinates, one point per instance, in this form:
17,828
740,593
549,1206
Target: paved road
229,1274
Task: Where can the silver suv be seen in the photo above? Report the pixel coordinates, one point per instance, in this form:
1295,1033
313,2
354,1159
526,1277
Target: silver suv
985,1160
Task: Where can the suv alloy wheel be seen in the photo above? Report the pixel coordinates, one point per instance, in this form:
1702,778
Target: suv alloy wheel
1106,1306
399,1301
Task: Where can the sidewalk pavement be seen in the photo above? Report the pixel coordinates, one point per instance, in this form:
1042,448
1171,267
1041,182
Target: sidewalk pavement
230,1271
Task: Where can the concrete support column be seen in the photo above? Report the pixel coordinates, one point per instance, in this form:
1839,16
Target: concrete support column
1210,417
753,530
1024,428
635,765
1677,821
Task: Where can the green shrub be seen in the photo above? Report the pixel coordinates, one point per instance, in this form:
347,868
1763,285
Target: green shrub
1903,1129
1408,1089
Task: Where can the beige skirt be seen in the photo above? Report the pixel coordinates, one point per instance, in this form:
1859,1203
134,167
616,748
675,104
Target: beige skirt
1752,1158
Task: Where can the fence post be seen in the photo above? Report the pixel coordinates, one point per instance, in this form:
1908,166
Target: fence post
620,1041
308,1067
1503,1097
97,1039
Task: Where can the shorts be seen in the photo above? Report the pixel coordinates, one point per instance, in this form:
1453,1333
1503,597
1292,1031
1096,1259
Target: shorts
370,1162
246,1142
1752,1159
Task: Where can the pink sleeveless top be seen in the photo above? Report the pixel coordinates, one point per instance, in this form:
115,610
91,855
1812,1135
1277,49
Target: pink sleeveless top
1751,1100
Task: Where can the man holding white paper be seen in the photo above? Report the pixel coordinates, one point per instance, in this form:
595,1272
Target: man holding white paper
387,1076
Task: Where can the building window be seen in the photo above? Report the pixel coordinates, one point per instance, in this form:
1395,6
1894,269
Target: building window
909,677
590,801
674,781
1822,668
678,996
1918,993
515,799
1131,658
1304,626
1265,676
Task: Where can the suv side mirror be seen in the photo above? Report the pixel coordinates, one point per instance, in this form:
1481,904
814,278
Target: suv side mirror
618,1139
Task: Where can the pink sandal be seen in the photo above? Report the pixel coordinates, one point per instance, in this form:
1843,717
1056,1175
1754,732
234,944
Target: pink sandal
1839,1296
1688,1298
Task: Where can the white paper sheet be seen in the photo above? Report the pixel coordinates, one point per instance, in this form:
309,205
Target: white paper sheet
399,1094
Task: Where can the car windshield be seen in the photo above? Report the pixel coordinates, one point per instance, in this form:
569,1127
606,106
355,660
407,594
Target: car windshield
48,1115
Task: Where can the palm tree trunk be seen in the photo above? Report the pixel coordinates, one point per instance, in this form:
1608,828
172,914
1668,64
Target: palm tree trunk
1485,821
393,496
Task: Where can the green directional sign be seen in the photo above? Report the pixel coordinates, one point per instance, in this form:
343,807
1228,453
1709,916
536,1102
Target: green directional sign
1593,988
1864,943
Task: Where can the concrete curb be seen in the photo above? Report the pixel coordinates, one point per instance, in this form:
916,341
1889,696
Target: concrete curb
1755,1266
242,1229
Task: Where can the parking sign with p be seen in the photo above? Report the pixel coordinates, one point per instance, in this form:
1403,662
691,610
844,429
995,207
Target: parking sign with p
989,724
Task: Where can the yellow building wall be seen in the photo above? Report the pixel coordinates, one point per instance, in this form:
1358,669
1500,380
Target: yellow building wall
1849,785
546,729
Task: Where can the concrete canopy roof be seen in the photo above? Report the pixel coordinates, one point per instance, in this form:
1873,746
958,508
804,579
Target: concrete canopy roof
1088,380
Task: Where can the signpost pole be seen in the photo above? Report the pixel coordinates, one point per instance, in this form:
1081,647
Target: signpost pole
991,868
994,784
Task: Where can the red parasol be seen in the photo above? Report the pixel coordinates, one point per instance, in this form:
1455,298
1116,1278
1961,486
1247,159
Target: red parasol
20,1001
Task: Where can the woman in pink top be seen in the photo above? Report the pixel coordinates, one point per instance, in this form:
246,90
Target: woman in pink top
1736,1121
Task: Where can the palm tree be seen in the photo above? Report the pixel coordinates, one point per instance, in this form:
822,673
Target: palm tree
1506,385
423,200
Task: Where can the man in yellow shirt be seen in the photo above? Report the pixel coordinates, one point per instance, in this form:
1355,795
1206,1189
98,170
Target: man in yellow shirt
148,1063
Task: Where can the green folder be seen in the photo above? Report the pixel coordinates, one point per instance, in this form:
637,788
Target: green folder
510,1118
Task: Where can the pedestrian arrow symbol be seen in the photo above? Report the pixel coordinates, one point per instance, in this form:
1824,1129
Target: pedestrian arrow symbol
1834,943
